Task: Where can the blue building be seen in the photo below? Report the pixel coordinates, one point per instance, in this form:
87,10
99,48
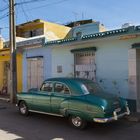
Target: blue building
111,58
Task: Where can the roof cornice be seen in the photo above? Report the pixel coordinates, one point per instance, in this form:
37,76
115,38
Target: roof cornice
100,35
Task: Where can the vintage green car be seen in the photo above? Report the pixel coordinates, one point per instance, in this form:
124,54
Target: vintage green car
78,99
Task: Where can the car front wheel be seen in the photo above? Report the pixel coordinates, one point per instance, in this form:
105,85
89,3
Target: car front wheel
77,122
23,108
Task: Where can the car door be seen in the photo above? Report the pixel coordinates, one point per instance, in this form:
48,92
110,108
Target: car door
59,97
41,99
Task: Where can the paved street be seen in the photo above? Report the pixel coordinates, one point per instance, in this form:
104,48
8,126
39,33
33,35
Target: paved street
13,126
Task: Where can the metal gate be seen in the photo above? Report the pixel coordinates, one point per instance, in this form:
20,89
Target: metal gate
85,65
35,72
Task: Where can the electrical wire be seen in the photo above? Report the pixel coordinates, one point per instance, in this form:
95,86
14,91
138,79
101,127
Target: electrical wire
19,3
24,12
6,2
49,4
4,16
29,1
4,8
4,27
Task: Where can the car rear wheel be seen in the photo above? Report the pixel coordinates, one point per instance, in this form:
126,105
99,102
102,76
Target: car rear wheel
23,108
77,122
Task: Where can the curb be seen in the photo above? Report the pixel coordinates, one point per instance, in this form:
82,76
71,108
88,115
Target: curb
5,99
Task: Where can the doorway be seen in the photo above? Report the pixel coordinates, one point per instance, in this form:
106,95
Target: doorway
85,65
35,72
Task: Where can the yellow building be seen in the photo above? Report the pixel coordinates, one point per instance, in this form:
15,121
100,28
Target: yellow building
26,31
38,27
5,71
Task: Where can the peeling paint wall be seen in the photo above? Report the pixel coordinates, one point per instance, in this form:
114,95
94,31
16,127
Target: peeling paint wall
47,62
62,57
112,65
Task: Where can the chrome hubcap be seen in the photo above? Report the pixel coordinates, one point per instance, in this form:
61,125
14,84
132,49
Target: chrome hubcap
77,121
23,109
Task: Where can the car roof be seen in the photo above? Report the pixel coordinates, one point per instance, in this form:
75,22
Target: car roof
65,79
73,83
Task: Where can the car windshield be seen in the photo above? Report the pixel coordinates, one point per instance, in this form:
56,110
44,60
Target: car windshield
90,87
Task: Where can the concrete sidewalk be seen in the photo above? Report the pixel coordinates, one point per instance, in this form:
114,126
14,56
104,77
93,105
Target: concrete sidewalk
5,98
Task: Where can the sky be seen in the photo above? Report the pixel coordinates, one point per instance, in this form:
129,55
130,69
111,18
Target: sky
112,13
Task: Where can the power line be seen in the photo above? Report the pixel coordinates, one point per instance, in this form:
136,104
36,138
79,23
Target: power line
19,3
32,1
4,27
49,4
4,8
4,16
25,14
6,1
1,28
27,2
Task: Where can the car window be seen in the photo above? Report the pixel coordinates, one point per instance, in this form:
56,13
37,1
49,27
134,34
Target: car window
47,87
89,87
61,88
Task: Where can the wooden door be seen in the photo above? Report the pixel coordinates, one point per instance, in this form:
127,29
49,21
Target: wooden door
35,72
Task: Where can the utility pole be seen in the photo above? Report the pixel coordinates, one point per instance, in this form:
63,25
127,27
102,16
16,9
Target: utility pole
13,63
0,31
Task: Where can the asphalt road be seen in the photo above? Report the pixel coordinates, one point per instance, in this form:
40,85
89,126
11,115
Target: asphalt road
13,126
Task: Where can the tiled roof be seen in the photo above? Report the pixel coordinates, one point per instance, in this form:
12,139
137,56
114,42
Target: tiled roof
123,31
107,33
61,41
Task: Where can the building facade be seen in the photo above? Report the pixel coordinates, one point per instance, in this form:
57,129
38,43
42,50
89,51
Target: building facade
36,58
45,50
30,35
110,58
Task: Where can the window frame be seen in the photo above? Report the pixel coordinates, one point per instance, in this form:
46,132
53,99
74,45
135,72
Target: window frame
62,84
46,83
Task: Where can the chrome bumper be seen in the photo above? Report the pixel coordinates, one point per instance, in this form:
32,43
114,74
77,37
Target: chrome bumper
115,117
